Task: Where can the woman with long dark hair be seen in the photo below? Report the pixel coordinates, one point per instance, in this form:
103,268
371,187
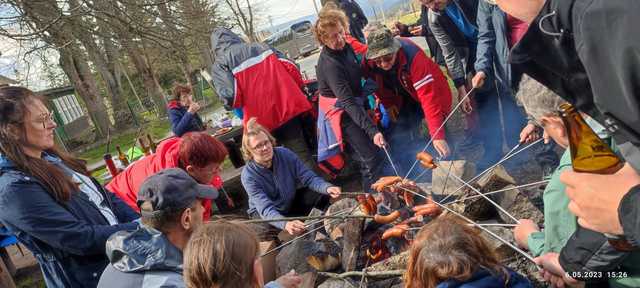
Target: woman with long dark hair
47,198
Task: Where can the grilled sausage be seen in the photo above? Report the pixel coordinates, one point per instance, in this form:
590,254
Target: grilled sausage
386,219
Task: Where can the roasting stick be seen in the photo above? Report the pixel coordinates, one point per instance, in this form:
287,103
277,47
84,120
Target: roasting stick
481,224
491,168
319,218
497,191
305,234
440,128
477,225
386,152
485,197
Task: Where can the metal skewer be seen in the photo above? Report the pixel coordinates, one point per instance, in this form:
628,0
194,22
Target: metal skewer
440,128
492,167
386,152
497,191
486,198
529,257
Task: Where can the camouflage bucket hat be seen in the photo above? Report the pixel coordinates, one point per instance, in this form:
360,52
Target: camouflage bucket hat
381,42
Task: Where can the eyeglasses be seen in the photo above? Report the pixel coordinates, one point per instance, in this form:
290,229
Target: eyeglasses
262,145
384,59
45,118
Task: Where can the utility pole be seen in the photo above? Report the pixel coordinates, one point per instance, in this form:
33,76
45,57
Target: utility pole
271,22
315,5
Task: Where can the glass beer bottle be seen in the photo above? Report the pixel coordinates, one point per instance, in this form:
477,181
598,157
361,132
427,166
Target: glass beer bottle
590,154
122,157
145,148
152,144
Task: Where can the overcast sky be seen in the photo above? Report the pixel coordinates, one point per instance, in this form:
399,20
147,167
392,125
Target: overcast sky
282,11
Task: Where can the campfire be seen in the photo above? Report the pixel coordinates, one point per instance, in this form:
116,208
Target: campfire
366,237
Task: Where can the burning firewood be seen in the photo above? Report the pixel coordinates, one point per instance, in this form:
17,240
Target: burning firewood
323,263
426,160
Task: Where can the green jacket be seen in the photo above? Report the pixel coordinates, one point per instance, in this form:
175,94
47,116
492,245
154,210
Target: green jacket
560,223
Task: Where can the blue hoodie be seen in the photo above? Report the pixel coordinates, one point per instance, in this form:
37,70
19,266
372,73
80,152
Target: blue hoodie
271,191
484,279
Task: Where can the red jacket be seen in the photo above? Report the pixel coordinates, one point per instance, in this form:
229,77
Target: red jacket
128,182
255,78
422,79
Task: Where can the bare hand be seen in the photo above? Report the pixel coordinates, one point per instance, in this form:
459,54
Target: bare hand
466,103
529,134
194,107
295,227
478,79
417,31
378,140
334,191
552,272
442,147
595,198
522,231
290,280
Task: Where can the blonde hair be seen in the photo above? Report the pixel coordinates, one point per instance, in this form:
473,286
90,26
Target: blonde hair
449,249
253,128
221,254
330,17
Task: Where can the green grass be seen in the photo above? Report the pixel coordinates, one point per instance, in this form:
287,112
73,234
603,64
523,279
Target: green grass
158,129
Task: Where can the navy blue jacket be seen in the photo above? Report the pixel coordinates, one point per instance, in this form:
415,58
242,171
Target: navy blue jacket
492,53
183,121
271,191
484,279
68,240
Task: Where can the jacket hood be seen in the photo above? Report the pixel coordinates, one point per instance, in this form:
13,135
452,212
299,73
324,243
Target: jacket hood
485,279
222,39
144,249
5,163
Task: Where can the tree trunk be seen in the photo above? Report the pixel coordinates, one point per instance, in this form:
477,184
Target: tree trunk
149,80
72,59
77,69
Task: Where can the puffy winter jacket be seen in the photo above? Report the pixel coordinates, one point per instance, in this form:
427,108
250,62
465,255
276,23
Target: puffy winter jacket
128,182
253,77
67,239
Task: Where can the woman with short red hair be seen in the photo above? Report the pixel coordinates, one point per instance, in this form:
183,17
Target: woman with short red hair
198,153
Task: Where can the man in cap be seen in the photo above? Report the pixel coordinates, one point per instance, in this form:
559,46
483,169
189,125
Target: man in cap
408,79
151,256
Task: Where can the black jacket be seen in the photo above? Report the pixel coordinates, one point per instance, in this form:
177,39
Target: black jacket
432,43
340,75
564,50
459,53
357,19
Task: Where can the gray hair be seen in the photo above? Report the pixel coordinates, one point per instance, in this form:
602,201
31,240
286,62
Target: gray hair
537,99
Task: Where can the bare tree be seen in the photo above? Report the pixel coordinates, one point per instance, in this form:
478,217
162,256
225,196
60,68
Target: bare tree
47,21
243,16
